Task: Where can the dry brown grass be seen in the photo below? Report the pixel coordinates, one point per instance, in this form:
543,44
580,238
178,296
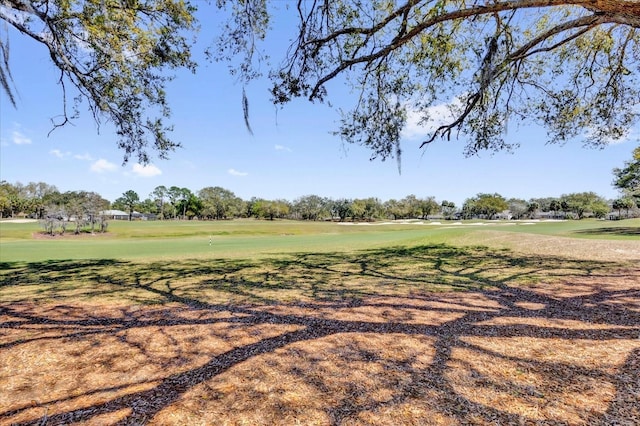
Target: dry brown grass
561,349
558,246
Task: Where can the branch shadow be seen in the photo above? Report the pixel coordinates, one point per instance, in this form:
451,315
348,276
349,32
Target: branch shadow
630,231
420,317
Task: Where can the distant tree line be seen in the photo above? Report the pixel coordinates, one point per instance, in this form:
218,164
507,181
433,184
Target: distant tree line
218,203
57,211
82,209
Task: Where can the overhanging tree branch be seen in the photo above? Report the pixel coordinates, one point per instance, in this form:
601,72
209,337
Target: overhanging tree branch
115,54
569,71
491,73
415,39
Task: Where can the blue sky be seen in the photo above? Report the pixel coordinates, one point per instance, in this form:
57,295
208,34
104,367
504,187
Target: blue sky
290,154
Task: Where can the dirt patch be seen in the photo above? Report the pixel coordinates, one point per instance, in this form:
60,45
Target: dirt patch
560,352
70,235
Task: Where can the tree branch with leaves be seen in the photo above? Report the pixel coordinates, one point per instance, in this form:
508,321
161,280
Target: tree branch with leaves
571,66
116,54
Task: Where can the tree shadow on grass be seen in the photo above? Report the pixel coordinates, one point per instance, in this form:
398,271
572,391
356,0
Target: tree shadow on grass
14,273
290,278
365,335
627,231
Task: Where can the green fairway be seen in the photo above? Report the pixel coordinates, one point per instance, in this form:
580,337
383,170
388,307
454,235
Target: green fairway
181,247
175,240
23,242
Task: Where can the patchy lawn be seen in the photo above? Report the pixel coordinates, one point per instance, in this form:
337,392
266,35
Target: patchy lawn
423,335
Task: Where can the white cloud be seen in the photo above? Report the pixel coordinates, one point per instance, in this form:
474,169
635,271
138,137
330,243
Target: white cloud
58,153
20,139
146,171
102,166
234,172
282,148
437,115
627,138
85,157
632,135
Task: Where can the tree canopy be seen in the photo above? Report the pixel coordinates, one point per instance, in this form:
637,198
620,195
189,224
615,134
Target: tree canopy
584,202
129,200
487,205
115,54
571,66
628,177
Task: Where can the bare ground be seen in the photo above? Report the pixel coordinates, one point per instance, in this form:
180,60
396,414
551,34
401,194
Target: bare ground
563,352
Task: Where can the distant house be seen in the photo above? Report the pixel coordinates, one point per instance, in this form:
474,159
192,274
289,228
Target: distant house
614,215
504,215
547,215
121,215
116,214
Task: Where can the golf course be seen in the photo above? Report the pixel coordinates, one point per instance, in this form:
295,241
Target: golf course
258,322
